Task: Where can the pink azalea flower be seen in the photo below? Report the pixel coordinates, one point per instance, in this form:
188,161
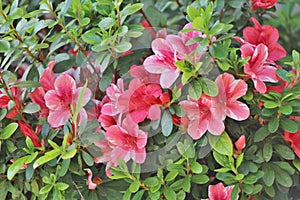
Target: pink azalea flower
144,100
90,183
226,100
128,141
219,192
124,141
193,47
113,107
266,35
61,97
167,51
199,117
265,4
106,157
139,72
258,68
47,83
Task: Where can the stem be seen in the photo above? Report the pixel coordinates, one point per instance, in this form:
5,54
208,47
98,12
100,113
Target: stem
60,23
145,16
18,37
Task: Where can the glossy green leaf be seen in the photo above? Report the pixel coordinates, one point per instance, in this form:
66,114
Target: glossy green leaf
8,131
222,144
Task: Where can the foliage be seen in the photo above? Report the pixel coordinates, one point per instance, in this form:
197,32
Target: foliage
146,92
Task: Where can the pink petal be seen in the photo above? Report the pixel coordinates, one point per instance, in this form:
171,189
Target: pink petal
139,155
237,110
260,86
168,78
154,113
216,192
54,101
215,127
65,86
86,96
58,118
161,47
138,115
155,65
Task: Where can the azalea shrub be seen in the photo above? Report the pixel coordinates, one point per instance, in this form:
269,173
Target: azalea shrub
119,99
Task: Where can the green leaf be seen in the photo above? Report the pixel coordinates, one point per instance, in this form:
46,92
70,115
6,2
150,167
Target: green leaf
250,179
222,144
289,125
27,84
196,167
64,167
166,123
134,186
282,177
221,159
46,189
286,109
219,28
284,151
296,163
16,166
267,151
91,37
261,134
130,9
273,124
61,186
271,104
138,195
200,179
235,192
219,49
186,184
64,65
195,89
171,176
269,175
4,46
31,108
239,160
169,193
47,157
68,154
106,23
151,181
209,87
123,47
88,159
283,74
8,131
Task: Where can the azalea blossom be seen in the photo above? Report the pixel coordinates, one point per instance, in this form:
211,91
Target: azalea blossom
124,141
266,35
219,192
229,91
167,52
27,131
144,100
265,4
111,106
240,143
199,117
258,68
90,183
60,99
47,83
4,101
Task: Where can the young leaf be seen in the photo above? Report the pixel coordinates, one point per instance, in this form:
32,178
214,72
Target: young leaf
8,130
